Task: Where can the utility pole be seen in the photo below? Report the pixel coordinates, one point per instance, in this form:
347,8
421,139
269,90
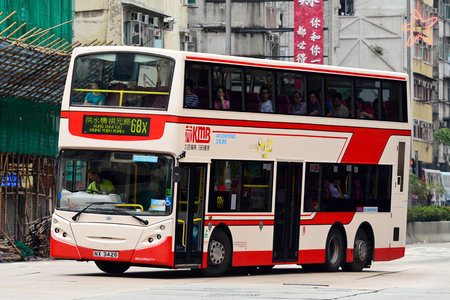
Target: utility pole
228,26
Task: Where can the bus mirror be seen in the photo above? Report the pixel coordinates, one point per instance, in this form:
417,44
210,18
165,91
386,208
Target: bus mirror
176,174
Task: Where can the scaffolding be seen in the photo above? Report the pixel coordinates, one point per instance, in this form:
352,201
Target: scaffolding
33,78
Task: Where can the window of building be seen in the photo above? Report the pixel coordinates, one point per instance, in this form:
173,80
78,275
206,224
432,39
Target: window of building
346,8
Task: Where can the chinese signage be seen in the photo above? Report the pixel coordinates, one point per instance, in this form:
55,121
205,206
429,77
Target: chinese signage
195,136
308,31
116,125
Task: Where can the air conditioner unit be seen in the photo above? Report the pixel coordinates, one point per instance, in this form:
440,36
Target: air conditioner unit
146,19
133,17
433,10
269,38
168,25
188,39
154,21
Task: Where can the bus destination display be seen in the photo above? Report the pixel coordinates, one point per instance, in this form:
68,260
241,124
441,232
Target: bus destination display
116,125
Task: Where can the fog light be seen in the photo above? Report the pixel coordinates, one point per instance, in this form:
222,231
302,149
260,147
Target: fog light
57,230
162,227
65,234
158,236
150,240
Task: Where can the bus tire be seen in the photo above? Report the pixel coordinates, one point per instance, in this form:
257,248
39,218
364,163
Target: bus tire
219,254
334,250
360,253
112,267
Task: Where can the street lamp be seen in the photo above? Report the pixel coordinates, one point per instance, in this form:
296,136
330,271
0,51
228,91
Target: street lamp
170,21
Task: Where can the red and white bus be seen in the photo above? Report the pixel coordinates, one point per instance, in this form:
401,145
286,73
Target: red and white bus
205,188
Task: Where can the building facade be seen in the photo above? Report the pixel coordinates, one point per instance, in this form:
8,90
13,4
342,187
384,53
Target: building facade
160,24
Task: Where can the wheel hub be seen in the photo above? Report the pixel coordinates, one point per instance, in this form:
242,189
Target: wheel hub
216,252
361,250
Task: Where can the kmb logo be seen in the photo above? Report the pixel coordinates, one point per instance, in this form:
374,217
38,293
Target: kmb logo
197,134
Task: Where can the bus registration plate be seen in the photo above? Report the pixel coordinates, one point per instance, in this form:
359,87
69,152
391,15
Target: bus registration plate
106,254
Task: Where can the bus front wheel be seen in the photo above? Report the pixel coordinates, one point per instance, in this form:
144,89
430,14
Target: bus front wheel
334,251
360,253
112,267
219,254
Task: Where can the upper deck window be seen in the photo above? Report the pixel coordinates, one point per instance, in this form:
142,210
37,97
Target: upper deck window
279,91
122,80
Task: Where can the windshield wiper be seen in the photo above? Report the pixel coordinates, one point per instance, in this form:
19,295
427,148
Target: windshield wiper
84,209
145,222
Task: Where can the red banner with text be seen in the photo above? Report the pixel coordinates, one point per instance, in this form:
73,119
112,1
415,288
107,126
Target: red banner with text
308,31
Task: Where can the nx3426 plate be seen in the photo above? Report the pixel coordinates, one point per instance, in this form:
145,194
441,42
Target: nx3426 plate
106,254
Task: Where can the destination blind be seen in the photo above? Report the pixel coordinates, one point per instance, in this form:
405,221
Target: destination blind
112,125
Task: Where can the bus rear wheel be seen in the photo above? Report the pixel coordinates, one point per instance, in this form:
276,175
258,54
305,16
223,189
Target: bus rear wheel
360,253
112,267
219,254
334,251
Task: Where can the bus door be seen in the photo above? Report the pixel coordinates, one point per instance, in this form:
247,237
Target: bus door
287,212
190,215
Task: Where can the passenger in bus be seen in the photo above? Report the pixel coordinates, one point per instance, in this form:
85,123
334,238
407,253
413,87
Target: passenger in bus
363,112
190,99
340,110
314,108
335,188
99,185
298,106
349,102
376,110
95,98
328,101
266,103
220,102
133,99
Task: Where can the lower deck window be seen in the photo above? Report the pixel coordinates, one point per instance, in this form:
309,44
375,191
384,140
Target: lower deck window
241,186
347,188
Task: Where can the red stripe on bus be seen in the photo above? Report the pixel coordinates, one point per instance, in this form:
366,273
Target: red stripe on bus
156,131
61,249
320,218
264,258
158,255
280,125
64,114
329,218
240,222
251,258
300,67
88,254
386,254
366,144
238,215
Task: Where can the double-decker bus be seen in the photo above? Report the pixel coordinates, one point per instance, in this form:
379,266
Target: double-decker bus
146,178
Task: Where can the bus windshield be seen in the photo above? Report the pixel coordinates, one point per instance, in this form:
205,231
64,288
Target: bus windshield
122,79
134,181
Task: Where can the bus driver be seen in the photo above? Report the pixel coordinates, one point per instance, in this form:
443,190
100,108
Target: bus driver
99,184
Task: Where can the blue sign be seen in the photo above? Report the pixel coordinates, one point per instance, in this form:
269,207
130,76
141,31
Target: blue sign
142,158
11,180
168,201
